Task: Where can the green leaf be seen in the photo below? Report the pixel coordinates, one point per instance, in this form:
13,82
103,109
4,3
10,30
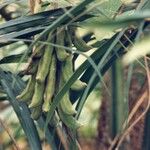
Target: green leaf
87,76
12,89
28,26
13,59
65,18
87,90
104,10
39,19
108,7
118,105
108,26
146,5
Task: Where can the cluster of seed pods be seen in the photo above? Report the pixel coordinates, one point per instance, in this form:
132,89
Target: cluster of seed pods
49,68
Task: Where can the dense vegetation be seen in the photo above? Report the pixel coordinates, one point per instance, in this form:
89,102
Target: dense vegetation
55,54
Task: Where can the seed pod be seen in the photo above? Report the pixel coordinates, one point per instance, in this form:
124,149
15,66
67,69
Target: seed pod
36,112
67,71
65,102
27,93
78,85
43,67
60,40
37,98
67,106
50,85
79,43
68,120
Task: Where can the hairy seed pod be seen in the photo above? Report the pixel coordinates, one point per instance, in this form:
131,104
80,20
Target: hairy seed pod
60,40
36,112
67,71
43,67
50,85
37,98
27,93
68,120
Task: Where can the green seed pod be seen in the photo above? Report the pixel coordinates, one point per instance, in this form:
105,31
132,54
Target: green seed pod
36,112
27,93
81,45
78,86
68,120
67,106
50,85
43,67
65,102
60,40
78,42
67,71
37,98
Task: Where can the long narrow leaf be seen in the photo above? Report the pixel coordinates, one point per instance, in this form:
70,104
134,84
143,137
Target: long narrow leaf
25,22
89,72
100,64
118,106
50,134
12,59
21,111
